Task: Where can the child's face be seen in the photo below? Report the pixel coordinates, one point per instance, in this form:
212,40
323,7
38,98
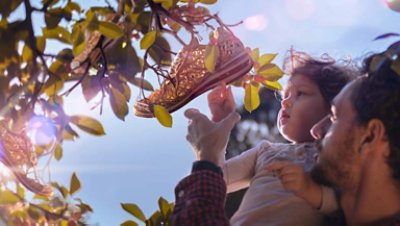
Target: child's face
302,106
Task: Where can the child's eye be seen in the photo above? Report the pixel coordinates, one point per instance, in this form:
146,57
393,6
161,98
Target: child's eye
300,93
332,117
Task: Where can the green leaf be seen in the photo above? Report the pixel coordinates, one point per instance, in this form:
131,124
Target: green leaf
155,219
129,223
88,124
90,87
134,210
141,82
271,72
208,2
163,116
75,184
164,207
7,197
63,190
58,152
118,104
272,85
148,39
85,207
266,59
251,97
59,33
110,30
211,57
53,17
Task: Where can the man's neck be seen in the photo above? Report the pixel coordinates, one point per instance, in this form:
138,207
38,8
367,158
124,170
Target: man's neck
377,196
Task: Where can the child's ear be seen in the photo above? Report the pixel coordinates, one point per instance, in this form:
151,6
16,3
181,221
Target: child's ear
374,136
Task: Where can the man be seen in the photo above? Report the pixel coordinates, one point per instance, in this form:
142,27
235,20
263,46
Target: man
360,153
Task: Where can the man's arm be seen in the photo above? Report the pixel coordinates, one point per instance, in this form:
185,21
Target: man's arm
200,197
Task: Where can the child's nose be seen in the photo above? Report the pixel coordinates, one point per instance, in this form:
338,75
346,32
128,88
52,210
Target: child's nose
286,102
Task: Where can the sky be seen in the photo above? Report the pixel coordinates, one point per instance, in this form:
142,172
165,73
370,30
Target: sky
138,160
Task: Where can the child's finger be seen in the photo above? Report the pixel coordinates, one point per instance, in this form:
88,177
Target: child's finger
277,165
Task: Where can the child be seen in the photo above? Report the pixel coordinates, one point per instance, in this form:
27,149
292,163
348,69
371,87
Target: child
306,100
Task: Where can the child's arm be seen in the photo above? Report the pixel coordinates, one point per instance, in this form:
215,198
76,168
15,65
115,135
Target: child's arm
239,170
294,179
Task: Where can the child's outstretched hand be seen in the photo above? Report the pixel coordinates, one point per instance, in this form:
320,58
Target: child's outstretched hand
294,179
221,102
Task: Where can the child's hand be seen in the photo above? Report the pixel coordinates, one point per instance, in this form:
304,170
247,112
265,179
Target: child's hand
221,102
294,179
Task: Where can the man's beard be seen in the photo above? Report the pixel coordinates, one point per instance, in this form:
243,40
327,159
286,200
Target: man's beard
318,173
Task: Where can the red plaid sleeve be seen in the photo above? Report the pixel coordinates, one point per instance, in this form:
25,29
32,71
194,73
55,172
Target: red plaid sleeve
200,200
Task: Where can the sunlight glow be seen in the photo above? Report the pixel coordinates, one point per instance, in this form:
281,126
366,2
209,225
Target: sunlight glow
393,4
41,130
300,9
256,22
4,171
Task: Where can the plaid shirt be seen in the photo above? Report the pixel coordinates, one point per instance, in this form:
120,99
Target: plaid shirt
200,200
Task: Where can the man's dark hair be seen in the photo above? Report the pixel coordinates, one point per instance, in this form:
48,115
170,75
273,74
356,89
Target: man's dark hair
377,96
328,74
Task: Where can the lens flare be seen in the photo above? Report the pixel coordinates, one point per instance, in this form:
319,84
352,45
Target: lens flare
256,23
393,5
41,130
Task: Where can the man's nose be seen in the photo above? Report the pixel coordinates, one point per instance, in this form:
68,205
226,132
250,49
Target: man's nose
318,131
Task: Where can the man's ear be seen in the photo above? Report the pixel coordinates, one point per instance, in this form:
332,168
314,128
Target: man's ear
374,137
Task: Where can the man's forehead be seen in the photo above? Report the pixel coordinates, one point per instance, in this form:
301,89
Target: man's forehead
344,95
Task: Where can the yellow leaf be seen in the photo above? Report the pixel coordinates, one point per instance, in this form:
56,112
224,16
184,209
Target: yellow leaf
266,59
20,191
58,152
211,57
396,66
208,2
54,88
7,197
129,223
87,124
118,104
148,39
272,85
134,210
166,4
75,184
271,72
162,115
110,30
251,97
255,54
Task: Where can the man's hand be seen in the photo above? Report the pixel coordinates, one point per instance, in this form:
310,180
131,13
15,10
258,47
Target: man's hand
221,102
209,139
294,179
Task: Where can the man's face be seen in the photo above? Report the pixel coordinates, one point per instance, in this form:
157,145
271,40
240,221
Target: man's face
338,157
